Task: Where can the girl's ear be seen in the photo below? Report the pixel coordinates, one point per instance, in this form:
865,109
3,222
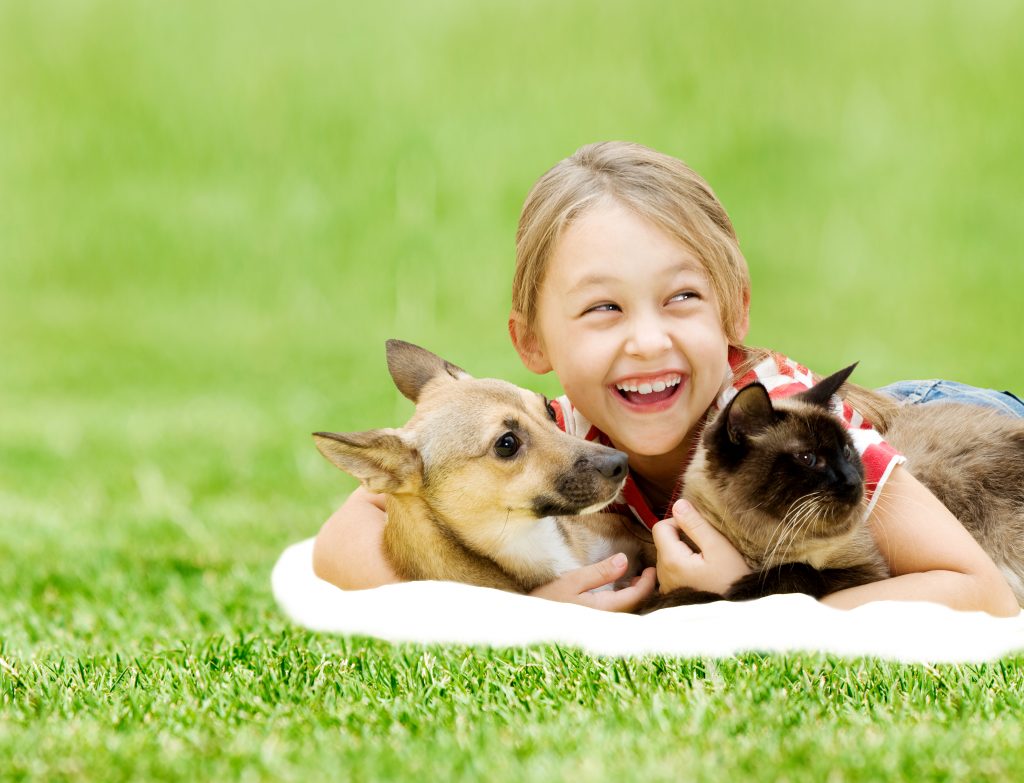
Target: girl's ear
527,344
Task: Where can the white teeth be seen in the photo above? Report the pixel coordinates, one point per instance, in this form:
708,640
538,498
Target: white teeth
647,388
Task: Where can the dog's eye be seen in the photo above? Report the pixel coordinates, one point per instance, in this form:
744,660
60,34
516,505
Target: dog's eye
847,453
806,459
507,445
551,410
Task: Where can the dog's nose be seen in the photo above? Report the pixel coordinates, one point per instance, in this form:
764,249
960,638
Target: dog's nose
612,466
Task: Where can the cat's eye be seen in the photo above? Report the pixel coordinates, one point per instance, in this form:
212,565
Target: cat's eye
807,459
507,445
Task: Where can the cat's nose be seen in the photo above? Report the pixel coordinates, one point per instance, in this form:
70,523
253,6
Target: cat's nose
850,477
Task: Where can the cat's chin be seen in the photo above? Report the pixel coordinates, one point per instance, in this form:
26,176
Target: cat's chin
839,526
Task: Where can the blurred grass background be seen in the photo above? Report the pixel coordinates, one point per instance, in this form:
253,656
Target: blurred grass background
212,214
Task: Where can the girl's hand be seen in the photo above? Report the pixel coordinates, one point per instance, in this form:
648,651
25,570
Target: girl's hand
575,587
715,568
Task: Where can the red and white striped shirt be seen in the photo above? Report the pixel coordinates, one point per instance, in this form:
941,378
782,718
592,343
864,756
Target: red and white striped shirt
782,377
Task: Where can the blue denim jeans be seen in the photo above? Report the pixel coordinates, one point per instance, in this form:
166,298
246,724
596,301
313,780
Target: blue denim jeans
951,391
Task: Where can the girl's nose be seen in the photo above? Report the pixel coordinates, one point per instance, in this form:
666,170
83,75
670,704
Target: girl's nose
648,338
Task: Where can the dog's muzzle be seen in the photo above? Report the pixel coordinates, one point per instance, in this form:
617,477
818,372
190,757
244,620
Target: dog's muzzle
594,481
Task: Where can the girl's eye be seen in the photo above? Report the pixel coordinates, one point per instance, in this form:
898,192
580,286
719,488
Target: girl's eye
683,296
807,459
607,307
507,445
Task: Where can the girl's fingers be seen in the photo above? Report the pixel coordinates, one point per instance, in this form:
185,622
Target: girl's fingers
575,586
629,598
599,574
705,536
666,540
720,565
572,587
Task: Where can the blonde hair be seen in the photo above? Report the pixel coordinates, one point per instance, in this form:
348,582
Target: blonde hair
670,194
657,187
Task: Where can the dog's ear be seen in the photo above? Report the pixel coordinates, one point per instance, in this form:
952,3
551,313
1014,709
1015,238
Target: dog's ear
381,459
412,368
821,392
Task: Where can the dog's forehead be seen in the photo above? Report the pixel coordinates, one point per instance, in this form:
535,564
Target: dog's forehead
486,393
469,407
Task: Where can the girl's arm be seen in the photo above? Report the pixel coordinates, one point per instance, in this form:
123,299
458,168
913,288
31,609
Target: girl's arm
930,554
347,551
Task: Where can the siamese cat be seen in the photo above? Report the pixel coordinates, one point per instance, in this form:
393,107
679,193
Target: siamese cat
782,481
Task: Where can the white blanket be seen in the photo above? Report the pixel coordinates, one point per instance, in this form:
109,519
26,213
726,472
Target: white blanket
431,612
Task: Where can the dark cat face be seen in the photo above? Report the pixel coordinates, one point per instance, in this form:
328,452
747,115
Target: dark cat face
787,469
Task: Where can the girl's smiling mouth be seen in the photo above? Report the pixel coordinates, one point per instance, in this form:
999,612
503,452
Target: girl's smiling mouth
649,393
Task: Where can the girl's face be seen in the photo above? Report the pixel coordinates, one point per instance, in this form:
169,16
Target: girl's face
628,321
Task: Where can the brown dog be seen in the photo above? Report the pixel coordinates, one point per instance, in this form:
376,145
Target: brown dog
482,486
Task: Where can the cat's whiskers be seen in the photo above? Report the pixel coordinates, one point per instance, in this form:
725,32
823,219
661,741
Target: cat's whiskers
813,510
799,516
809,512
783,530
777,535
822,508
752,509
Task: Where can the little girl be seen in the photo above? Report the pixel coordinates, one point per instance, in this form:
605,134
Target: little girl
631,287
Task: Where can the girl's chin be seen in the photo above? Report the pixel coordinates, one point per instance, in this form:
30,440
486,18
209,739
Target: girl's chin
657,442
653,437
649,450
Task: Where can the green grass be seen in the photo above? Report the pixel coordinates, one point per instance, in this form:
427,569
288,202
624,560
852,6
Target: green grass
289,704
213,214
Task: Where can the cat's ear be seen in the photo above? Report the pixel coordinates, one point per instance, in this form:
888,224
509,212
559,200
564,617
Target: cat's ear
748,413
821,393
